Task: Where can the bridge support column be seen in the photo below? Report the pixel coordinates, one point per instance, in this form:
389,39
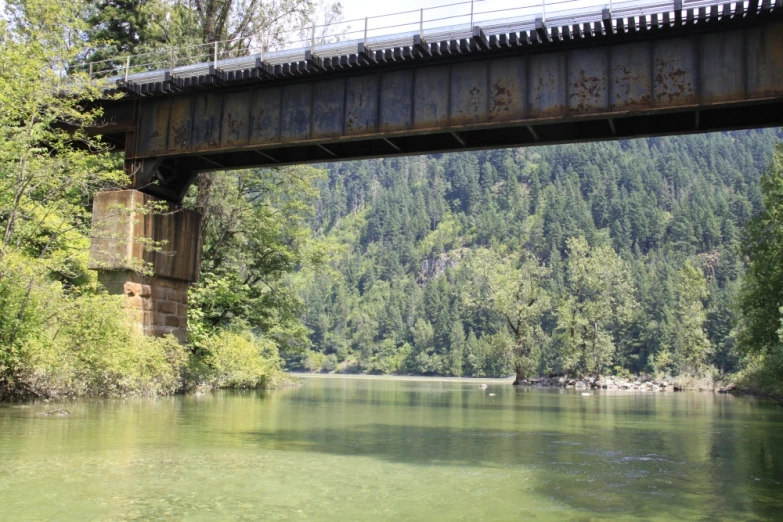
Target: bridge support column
149,251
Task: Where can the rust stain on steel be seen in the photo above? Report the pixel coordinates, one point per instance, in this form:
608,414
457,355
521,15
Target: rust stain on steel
153,125
765,61
430,98
507,89
651,74
587,90
396,101
361,99
236,119
548,85
206,122
673,73
469,93
328,108
630,85
265,115
180,124
295,112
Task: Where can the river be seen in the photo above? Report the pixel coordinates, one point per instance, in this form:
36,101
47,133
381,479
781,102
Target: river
395,449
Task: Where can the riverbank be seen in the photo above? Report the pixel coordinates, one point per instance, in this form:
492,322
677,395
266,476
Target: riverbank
640,384
606,383
609,383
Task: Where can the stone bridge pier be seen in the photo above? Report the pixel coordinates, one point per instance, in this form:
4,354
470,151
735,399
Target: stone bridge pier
149,251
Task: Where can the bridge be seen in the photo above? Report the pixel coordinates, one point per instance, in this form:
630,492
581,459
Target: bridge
690,67
627,70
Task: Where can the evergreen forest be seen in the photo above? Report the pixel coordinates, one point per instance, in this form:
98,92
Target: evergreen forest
416,245
659,256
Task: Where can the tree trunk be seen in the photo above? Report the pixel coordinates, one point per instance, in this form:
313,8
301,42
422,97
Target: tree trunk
519,375
203,201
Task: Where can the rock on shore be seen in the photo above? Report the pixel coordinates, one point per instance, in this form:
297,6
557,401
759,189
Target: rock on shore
604,383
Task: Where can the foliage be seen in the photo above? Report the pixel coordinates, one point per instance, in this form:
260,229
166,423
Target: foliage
235,360
690,342
48,164
762,287
760,335
56,334
517,295
598,303
118,28
402,232
59,335
256,234
56,343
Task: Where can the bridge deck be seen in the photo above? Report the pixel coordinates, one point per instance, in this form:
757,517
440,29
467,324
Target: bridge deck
717,66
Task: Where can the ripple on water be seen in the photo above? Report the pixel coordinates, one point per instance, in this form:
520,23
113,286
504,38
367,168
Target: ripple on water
346,450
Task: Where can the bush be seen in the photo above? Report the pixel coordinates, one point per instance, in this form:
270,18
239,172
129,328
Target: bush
330,363
98,351
314,361
55,342
236,360
762,374
389,359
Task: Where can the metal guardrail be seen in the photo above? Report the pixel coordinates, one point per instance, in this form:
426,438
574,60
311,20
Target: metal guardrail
443,22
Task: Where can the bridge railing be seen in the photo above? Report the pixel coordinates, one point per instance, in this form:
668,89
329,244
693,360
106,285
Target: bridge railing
449,21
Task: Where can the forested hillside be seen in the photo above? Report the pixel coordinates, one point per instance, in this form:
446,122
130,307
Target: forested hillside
584,259
431,256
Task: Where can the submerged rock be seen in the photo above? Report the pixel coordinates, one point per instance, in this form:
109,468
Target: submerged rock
57,412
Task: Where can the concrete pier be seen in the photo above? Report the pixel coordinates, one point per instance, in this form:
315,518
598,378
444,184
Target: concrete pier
149,251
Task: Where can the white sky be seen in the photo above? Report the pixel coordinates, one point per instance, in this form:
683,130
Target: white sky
361,8
528,9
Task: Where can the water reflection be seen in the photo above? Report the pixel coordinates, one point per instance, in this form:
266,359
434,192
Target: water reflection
355,449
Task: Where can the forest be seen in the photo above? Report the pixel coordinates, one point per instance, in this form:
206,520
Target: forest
659,256
631,251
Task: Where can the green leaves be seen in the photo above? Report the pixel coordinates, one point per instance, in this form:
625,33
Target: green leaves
255,234
598,303
762,288
514,291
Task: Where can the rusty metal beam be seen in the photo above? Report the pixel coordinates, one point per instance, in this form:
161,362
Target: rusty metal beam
480,93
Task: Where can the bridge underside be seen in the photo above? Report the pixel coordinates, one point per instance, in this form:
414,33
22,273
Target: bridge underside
715,70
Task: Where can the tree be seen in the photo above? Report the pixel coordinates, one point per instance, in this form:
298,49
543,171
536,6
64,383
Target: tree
515,292
761,294
691,345
49,165
456,349
257,235
117,28
598,302
59,334
656,201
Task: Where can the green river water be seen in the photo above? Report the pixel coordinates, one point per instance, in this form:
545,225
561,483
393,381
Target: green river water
395,449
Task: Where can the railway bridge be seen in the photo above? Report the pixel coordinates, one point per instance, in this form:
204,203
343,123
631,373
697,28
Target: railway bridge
630,70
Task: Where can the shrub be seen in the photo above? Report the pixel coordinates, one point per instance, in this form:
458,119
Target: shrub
98,351
236,360
330,363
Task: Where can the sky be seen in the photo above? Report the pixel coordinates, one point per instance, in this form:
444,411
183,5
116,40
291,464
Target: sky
358,9
362,8
353,9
